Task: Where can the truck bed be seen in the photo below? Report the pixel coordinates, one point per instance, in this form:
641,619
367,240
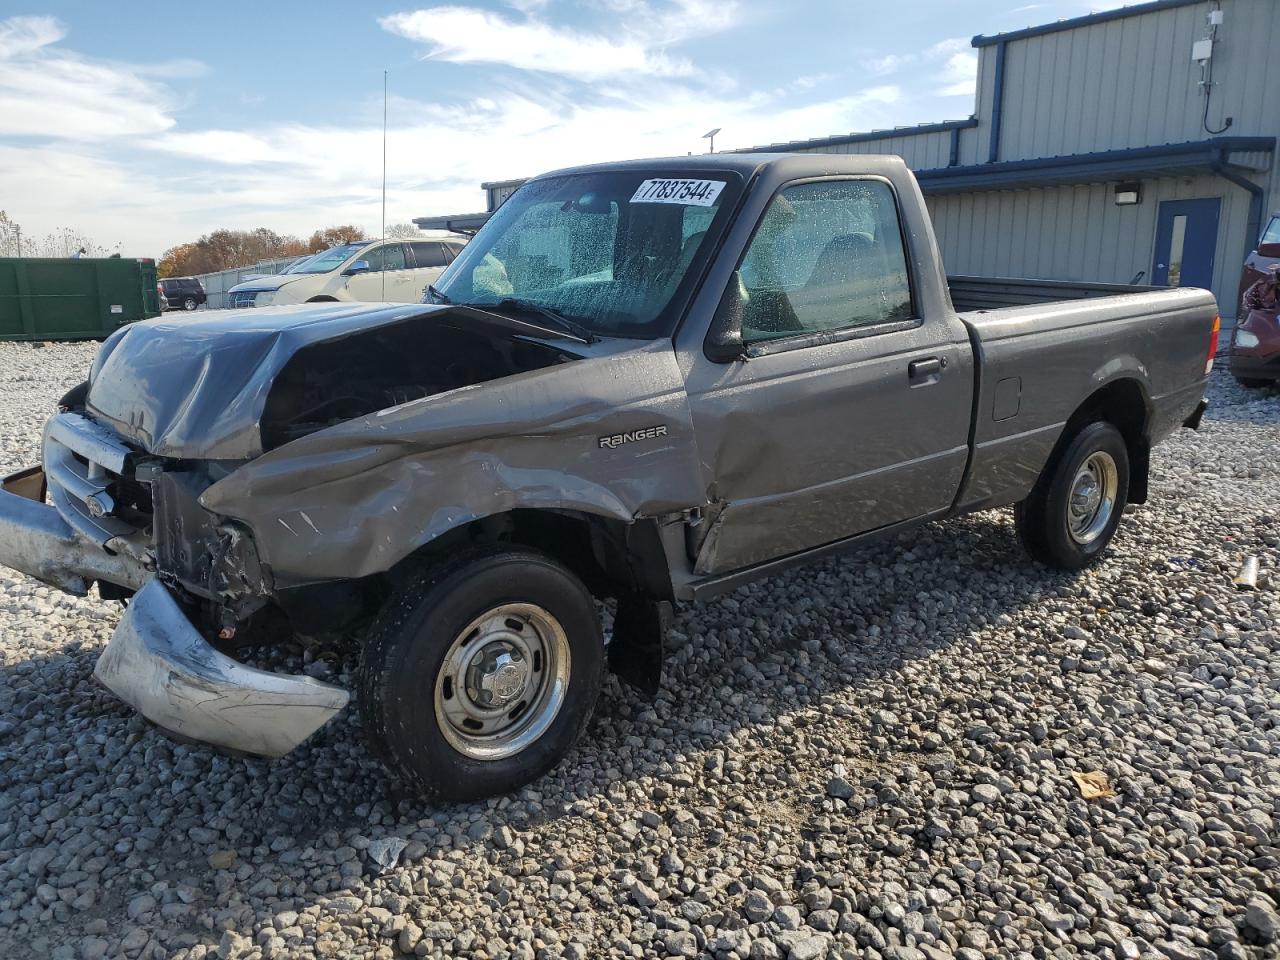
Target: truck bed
992,293
1040,346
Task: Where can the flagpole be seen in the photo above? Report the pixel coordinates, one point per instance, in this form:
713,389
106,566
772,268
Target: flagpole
384,180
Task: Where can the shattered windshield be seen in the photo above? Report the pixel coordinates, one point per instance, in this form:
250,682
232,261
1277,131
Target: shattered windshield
609,251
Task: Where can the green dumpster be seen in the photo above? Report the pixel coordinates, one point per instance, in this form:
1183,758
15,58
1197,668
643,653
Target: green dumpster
48,298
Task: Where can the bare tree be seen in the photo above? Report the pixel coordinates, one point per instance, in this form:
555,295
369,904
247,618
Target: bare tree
10,237
65,243
403,231
224,249
332,236
59,243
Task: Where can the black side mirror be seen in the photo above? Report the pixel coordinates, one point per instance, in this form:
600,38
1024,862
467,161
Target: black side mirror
360,266
724,339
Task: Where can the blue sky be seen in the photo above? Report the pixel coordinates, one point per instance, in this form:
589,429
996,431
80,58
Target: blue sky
150,124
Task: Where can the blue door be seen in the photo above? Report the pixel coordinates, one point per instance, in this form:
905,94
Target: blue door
1186,238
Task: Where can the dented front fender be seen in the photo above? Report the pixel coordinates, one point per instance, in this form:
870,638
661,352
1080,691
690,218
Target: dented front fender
355,499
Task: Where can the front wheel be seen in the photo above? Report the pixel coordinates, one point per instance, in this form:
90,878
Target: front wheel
1075,507
481,675
189,303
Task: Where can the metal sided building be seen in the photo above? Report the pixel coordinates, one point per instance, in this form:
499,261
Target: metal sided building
1135,145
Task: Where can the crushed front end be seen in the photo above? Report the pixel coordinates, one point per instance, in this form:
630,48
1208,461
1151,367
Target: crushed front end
101,510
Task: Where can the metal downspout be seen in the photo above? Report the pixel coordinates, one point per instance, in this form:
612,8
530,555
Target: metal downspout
1230,172
997,102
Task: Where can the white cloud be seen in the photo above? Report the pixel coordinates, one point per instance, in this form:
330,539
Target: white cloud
887,64
811,80
467,142
951,66
104,155
51,93
958,75
298,177
25,35
636,46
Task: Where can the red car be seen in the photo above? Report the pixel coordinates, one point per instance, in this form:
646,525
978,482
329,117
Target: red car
1264,258
1255,348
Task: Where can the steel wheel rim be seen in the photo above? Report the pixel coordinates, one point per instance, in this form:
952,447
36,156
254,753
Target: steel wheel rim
503,681
1092,499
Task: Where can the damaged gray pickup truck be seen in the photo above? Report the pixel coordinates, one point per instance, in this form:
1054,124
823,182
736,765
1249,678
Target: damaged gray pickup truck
647,381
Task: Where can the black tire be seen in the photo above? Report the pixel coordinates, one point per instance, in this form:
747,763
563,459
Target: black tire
1254,383
189,303
406,649
1043,520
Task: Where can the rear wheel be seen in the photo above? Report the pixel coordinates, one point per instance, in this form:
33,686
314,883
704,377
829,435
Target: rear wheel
481,675
189,303
1253,383
1074,510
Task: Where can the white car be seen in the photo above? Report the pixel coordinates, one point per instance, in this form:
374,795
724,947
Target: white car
395,271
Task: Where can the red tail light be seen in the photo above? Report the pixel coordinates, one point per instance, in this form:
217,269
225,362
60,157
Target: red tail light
1213,344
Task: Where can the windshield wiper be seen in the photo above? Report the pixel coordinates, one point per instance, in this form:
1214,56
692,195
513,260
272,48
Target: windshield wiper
563,323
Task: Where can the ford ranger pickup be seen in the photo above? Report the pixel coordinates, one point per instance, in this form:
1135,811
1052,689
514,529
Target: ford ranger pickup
641,382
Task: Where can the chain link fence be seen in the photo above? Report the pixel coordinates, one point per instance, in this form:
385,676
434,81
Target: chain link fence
217,284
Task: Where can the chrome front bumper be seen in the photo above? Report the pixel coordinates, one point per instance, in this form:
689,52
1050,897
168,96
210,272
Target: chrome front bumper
157,661
159,664
36,540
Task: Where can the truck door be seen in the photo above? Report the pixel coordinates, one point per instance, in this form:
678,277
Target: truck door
851,411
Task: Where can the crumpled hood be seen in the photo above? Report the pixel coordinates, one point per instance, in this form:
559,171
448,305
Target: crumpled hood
196,388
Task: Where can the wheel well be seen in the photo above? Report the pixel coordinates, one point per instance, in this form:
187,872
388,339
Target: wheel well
1124,404
612,558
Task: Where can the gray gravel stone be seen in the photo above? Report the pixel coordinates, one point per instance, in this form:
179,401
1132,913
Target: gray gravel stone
871,756
1261,917
757,906
680,943
788,918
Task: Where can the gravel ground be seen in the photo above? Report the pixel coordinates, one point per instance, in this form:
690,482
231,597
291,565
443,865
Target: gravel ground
870,757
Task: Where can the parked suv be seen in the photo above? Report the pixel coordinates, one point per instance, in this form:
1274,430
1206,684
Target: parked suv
396,271
183,293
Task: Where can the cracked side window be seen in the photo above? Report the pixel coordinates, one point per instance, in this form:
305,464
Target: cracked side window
827,256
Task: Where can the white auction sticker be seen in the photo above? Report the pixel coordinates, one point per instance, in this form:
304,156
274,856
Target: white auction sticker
697,193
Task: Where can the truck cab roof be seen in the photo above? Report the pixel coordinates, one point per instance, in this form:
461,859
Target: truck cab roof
787,165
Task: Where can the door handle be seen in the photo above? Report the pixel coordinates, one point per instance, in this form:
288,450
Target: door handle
925,371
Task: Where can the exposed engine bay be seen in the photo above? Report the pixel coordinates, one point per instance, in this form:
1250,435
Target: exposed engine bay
334,381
